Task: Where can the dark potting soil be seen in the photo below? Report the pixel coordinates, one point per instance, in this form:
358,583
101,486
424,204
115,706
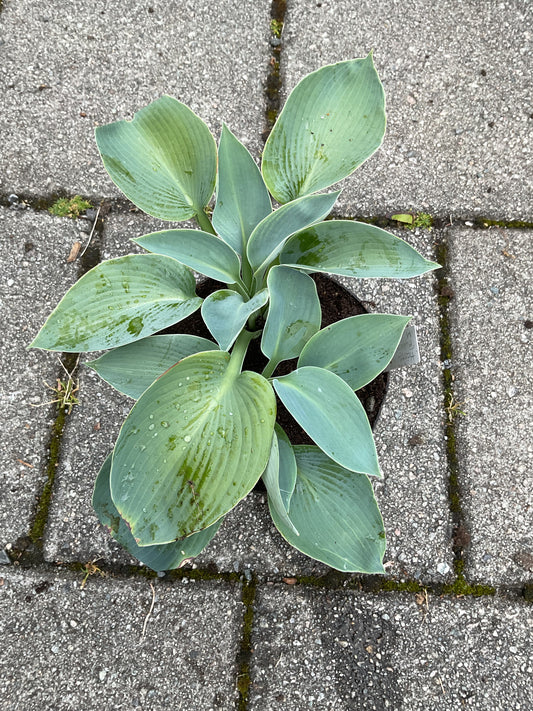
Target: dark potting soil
337,303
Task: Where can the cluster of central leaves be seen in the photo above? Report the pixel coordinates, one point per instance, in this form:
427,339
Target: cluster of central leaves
203,431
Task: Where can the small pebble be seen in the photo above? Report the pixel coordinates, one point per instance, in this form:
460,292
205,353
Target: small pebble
511,391
12,199
443,568
102,675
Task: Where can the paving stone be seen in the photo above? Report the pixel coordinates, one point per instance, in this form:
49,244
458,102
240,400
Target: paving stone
458,94
324,649
491,312
409,439
68,67
104,646
34,247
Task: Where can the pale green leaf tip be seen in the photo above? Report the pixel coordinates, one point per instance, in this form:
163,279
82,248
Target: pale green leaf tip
370,58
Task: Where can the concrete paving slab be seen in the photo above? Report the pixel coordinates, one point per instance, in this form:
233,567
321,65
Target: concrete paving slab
409,439
457,79
106,647
68,67
491,316
34,247
320,649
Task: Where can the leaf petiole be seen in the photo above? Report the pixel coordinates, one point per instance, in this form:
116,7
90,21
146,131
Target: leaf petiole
270,367
204,222
239,351
240,288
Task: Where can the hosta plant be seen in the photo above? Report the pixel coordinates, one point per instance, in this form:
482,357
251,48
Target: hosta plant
203,429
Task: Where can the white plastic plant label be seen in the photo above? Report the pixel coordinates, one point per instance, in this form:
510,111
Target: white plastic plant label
407,352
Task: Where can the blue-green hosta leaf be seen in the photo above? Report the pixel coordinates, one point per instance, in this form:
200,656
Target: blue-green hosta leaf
133,368
242,197
336,515
333,120
331,414
164,160
164,557
353,249
294,313
267,239
118,302
226,312
357,349
272,482
192,447
205,253
287,467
